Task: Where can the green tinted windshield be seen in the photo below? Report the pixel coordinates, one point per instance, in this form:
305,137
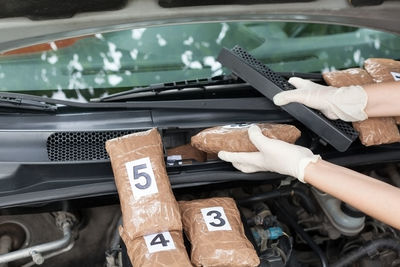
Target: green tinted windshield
101,64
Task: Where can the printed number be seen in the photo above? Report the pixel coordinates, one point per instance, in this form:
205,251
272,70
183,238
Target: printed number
137,175
141,177
215,219
159,239
221,222
159,242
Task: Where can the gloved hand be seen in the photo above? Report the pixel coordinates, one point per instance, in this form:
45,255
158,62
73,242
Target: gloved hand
274,155
345,103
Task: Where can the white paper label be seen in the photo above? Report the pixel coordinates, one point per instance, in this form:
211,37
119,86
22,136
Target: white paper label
159,242
215,219
141,177
237,126
171,160
396,75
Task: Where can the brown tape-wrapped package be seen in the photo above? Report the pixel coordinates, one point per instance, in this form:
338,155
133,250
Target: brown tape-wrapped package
187,152
216,233
383,70
147,202
157,250
372,131
234,138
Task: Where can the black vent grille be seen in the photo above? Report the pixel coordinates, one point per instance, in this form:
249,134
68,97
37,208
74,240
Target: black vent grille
263,69
284,85
80,146
277,79
337,133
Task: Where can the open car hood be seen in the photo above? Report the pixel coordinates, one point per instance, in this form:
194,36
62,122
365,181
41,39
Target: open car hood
29,22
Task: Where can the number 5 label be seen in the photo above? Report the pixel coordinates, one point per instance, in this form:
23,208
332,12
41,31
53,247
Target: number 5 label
141,177
215,219
159,242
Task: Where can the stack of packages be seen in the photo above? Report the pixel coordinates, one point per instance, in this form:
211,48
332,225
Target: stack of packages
373,131
152,227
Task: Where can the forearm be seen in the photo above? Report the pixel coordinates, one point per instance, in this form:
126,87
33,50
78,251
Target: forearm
373,197
383,99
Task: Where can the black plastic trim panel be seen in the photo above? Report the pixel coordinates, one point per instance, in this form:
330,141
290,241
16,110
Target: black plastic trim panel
269,83
29,177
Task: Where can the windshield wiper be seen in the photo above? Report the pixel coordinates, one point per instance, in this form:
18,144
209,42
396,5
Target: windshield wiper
222,82
22,103
162,87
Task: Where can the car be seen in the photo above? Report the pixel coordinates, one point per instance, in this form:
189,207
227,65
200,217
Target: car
78,73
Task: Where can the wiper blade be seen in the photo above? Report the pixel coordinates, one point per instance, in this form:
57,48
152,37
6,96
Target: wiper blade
162,87
226,83
217,82
18,102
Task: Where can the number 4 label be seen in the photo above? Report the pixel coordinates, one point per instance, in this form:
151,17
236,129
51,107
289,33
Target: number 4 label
159,242
215,219
141,177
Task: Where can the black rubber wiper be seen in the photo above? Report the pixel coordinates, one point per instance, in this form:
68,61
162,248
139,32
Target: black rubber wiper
18,102
222,82
162,87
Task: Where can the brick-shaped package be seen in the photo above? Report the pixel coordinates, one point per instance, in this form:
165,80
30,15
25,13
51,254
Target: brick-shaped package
216,233
383,70
157,250
147,202
372,131
187,152
234,138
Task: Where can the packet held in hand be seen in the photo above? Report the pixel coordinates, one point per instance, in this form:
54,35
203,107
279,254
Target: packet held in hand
234,138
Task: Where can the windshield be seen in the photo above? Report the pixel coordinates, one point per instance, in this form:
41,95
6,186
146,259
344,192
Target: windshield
104,63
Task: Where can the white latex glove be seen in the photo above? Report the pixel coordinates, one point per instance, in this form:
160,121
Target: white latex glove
345,103
274,155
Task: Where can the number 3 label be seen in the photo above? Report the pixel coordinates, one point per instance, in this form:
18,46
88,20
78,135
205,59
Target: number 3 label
141,177
215,219
159,242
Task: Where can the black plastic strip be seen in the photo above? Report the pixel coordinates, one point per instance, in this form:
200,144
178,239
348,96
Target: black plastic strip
337,133
252,103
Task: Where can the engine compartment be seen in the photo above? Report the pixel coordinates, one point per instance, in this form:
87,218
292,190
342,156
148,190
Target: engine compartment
289,223
283,219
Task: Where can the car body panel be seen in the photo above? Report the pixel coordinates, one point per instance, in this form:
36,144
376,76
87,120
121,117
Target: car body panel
21,31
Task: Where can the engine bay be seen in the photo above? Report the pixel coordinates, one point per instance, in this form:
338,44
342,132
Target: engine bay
289,223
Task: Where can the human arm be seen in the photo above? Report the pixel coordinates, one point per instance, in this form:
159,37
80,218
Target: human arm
373,197
383,99
351,103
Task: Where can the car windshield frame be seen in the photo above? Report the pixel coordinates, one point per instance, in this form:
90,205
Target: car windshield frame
97,65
